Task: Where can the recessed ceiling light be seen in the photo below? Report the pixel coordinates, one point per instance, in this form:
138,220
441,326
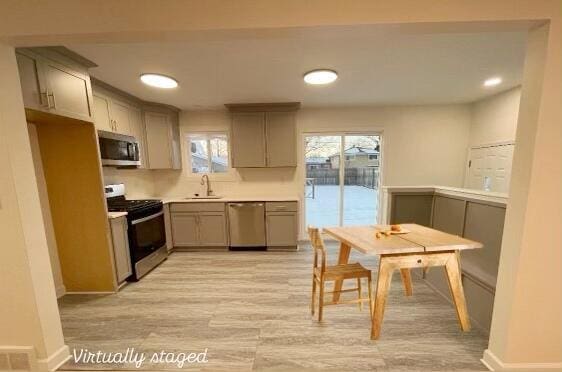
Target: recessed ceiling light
492,82
159,81
319,77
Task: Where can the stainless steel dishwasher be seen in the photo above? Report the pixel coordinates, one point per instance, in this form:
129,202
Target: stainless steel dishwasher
247,224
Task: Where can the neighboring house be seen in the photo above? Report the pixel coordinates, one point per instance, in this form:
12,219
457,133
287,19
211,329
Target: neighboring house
200,161
357,157
318,163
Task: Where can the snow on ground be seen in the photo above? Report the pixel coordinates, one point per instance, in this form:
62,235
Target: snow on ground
360,206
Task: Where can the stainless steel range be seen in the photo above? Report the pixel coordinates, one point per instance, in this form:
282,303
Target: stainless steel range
147,234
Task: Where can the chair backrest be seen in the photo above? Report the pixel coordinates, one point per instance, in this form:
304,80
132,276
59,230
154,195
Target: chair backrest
318,247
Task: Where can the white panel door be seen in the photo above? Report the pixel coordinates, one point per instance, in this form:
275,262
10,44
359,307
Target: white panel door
490,168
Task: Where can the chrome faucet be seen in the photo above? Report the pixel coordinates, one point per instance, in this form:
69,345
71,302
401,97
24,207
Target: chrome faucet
205,180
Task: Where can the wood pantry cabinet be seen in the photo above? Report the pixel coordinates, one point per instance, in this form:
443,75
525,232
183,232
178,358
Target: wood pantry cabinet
54,83
199,225
263,135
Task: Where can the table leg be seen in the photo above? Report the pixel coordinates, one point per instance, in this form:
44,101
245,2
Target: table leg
457,292
342,259
407,281
383,285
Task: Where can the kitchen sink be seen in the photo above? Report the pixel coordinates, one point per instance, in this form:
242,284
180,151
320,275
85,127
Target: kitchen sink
205,197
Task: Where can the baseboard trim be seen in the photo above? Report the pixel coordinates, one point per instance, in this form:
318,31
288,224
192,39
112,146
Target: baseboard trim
493,363
473,321
60,290
89,293
53,362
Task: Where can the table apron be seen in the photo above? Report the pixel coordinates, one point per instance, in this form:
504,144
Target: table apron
415,260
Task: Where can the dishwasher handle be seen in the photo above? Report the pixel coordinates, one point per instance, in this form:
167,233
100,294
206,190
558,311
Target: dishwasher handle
232,205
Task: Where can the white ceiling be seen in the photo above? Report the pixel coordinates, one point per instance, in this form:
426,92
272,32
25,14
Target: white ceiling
376,65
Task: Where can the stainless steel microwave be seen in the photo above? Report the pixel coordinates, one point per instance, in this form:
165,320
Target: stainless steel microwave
118,150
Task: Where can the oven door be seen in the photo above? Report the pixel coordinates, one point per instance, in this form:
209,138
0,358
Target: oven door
146,235
118,150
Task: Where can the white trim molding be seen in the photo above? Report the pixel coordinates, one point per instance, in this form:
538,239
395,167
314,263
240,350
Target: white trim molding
55,360
493,363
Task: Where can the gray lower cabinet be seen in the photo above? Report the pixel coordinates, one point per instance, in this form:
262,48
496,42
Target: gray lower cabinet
198,225
281,224
185,229
121,252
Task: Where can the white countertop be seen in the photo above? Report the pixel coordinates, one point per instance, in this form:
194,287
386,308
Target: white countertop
496,197
112,215
228,199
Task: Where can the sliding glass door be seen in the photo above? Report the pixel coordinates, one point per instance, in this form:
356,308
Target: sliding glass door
342,179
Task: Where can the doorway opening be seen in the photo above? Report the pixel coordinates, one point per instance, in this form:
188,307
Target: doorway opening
342,180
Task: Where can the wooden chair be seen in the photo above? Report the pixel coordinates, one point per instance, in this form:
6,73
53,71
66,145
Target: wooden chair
321,273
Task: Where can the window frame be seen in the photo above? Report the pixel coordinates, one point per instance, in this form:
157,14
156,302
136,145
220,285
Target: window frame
208,135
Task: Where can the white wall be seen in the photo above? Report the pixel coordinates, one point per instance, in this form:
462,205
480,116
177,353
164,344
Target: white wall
415,138
29,315
494,119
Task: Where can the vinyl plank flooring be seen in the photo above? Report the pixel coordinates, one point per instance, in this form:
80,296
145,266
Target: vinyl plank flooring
250,311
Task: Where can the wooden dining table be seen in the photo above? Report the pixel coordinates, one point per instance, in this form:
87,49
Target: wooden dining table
421,247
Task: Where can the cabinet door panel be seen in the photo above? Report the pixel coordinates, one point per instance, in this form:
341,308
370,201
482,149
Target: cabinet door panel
281,229
137,131
281,139
102,120
123,266
158,141
247,140
448,215
212,229
120,115
185,229
34,95
68,90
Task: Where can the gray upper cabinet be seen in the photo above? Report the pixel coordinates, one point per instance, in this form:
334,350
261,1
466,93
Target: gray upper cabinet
54,86
33,88
162,140
102,117
111,114
263,135
247,140
137,131
281,139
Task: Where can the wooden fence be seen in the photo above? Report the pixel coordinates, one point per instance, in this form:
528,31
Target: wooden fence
366,177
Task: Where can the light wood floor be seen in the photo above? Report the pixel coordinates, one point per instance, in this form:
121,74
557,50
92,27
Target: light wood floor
251,311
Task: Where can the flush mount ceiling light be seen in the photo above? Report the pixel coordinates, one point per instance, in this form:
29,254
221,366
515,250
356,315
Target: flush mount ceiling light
159,81
493,81
320,77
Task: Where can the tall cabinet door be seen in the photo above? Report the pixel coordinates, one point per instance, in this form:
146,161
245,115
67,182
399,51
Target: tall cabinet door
33,89
212,229
248,140
158,134
102,118
120,115
281,139
68,91
137,131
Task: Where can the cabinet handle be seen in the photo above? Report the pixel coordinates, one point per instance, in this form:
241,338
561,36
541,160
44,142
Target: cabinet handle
52,94
44,99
